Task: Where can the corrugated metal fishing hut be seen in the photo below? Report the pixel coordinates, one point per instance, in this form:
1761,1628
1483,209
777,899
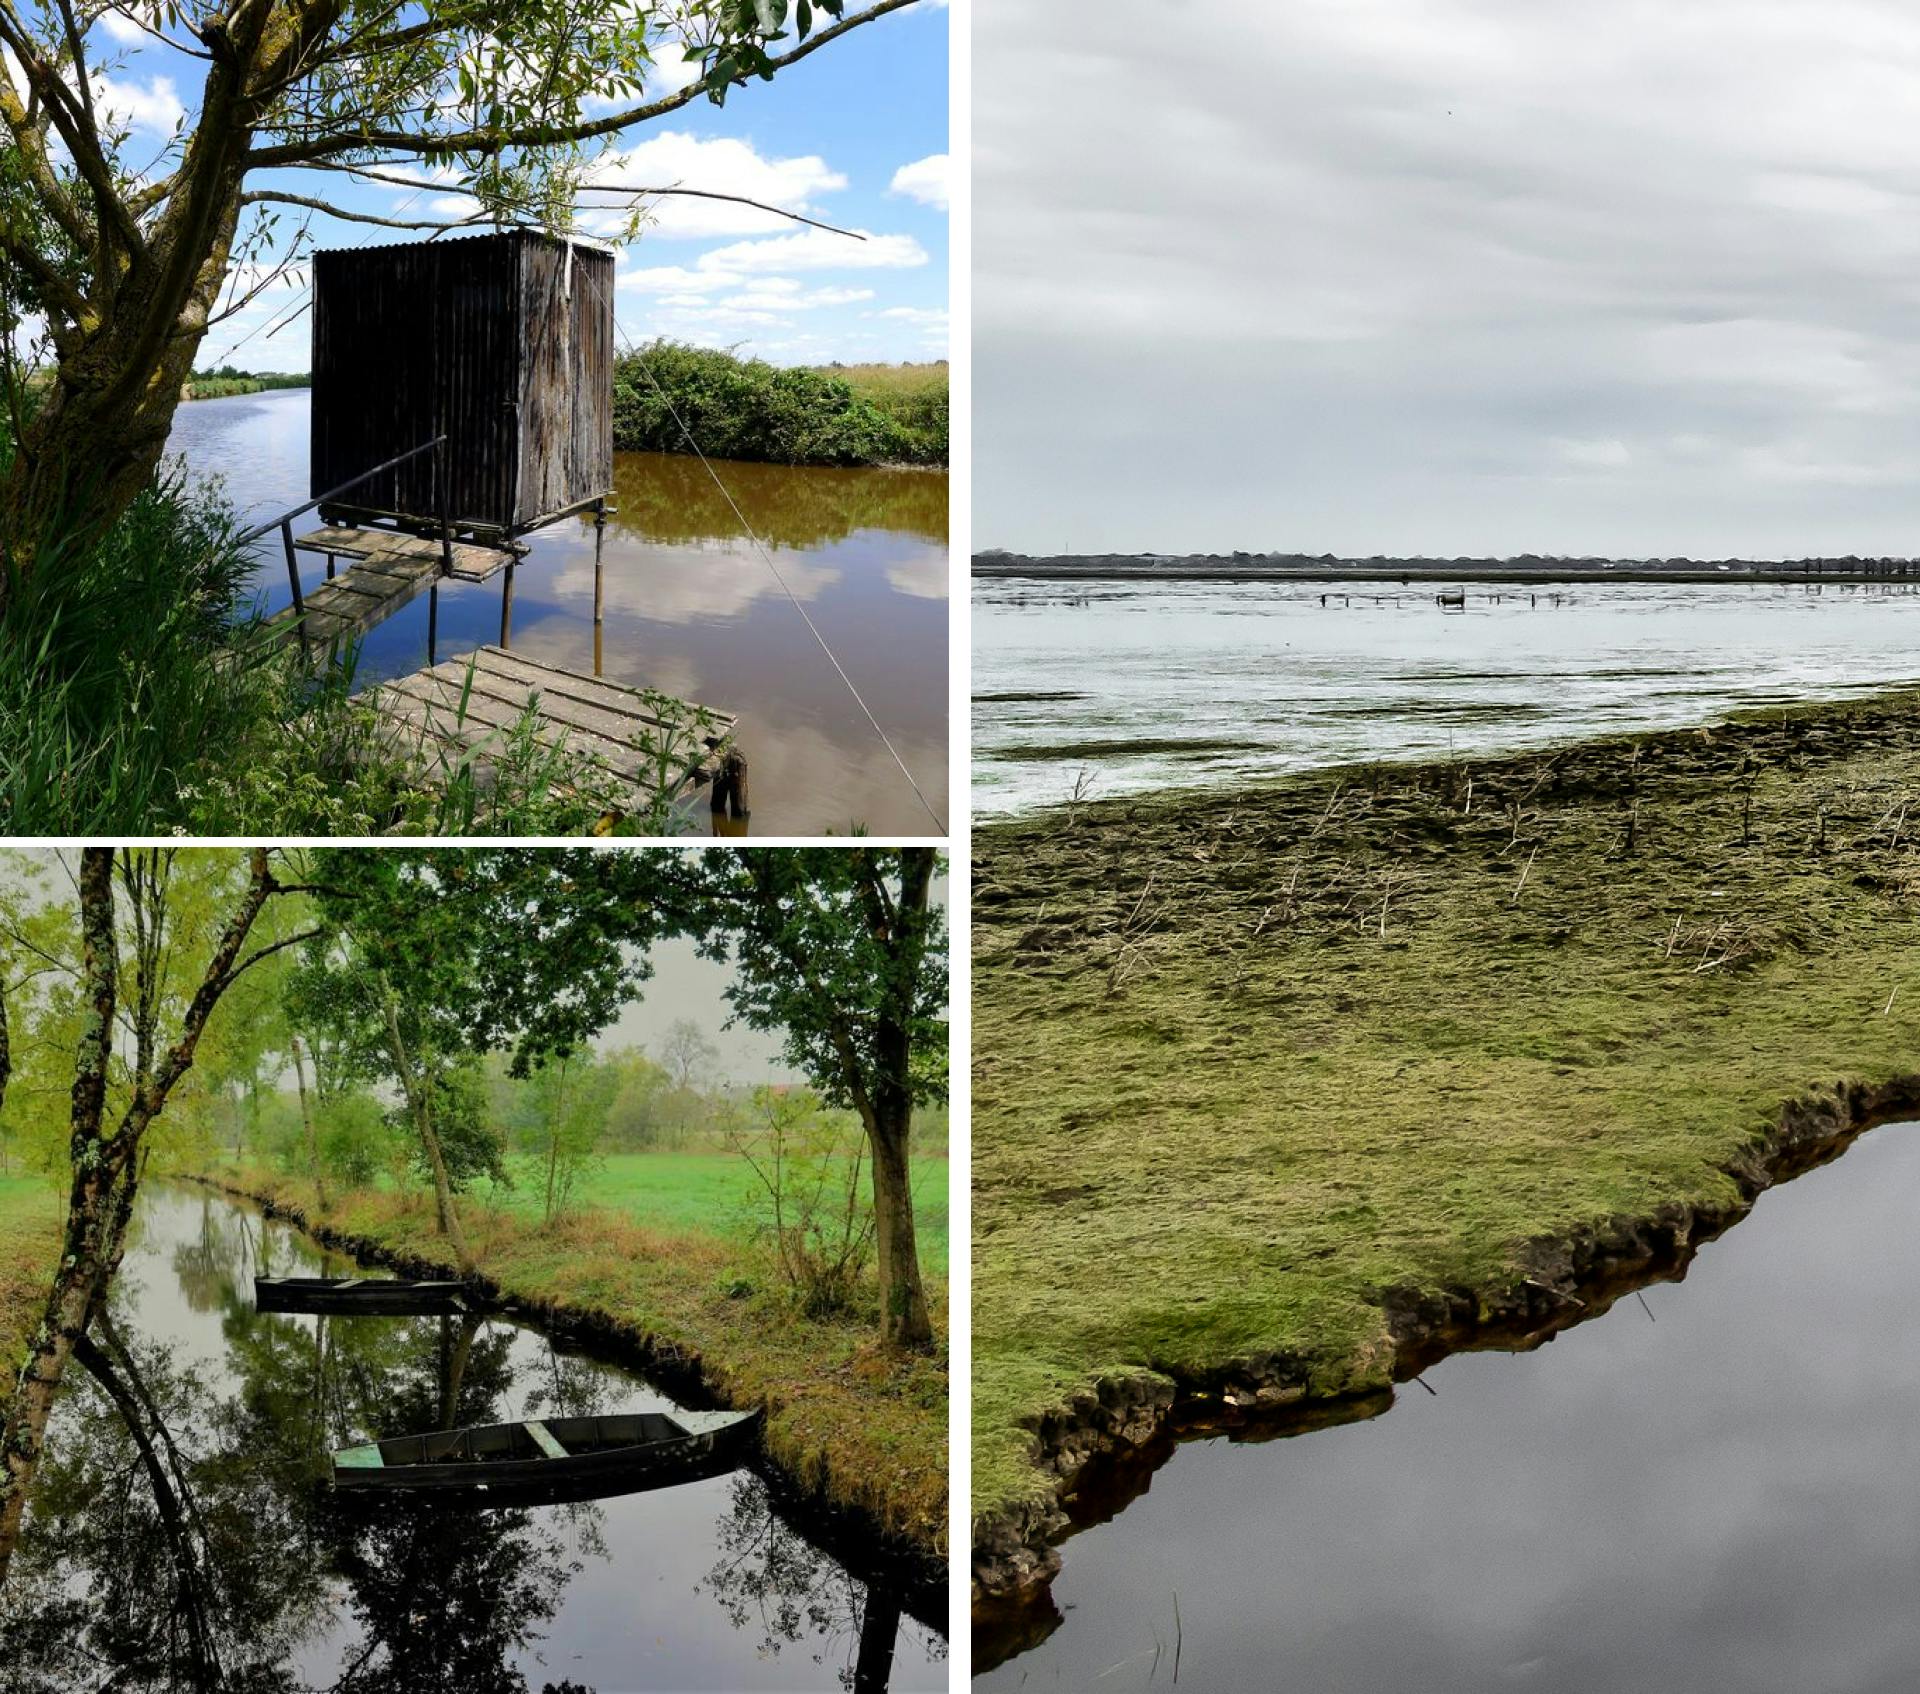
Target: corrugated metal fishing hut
504,343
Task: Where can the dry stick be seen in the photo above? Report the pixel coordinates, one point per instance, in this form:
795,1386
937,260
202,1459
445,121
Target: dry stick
1644,1306
1177,1635
1673,939
1900,825
1888,1007
1524,872
1429,1387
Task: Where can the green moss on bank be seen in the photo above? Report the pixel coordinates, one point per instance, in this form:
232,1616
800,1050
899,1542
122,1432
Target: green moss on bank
865,1427
1244,1061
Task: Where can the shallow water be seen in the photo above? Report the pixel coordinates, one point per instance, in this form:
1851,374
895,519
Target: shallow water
1724,1498
707,1585
690,605
1169,685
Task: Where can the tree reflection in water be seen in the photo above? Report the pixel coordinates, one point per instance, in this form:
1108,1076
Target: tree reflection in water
183,1534
776,1582
252,1555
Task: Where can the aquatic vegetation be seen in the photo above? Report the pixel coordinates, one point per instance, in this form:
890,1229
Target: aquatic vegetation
1250,1067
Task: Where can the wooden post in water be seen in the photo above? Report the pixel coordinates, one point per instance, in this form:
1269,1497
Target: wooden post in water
506,609
731,810
599,580
433,620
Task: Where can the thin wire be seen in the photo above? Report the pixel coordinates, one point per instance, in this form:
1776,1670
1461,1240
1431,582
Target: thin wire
767,559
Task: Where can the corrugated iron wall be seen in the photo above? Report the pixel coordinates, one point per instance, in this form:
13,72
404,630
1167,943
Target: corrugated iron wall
481,338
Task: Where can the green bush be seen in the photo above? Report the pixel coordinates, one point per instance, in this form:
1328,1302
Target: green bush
748,409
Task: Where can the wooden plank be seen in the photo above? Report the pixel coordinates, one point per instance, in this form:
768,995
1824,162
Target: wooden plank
625,723
544,1439
438,713
596,692
471,561
428,703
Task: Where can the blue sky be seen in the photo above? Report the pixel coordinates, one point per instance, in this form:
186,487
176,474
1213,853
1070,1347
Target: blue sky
855,135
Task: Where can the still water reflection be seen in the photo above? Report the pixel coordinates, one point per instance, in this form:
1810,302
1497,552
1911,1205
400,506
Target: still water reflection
266,1580
691,607
1725,1498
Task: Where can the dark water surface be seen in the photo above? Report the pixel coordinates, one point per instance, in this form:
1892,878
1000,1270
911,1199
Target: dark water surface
691,607
704,1586
1727,1498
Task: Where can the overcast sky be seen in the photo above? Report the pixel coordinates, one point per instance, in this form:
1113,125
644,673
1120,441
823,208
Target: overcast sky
1456,276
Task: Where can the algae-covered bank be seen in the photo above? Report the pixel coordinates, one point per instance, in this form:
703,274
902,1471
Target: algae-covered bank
1279,1092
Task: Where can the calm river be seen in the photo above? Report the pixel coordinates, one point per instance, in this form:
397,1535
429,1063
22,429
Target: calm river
1724,1498
691,607
1123,686
704,1586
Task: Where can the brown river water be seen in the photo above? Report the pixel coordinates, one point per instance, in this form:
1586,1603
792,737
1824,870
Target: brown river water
691,607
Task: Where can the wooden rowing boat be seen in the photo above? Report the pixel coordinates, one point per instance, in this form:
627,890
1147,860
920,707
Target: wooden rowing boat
366,1296
555,1457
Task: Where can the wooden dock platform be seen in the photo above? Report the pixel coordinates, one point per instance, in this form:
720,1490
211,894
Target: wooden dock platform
390,569
639,746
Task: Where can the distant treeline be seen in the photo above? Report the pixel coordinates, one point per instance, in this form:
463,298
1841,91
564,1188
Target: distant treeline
1537,567
791,415
213,385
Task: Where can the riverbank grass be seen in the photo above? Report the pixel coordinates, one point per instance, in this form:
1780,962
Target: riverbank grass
1244,1063
865,1427
30,1220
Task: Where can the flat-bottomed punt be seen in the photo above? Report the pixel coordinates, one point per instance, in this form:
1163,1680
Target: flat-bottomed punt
582,1457
363,1296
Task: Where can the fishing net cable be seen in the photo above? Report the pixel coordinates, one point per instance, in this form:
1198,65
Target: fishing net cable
766,558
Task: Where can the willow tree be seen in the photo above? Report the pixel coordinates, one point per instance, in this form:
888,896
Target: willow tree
125,261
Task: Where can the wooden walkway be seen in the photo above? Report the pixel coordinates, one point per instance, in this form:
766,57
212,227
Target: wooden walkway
390,570
638,747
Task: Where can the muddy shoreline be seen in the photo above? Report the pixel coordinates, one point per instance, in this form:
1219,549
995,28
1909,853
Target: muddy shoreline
1103,1447
876,1555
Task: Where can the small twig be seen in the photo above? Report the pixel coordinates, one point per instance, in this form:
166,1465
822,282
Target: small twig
1525,871
1644,1306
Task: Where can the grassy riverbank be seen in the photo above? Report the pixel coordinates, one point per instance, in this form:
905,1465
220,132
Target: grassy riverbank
30,1219
218,385
866,1428
791,415
1246,1063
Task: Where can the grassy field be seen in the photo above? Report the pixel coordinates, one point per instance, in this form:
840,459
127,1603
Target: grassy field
865,1426
30,1219
709,1193
1244,1064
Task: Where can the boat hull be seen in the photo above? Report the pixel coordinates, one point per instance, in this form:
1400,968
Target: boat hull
354,1297
432,1465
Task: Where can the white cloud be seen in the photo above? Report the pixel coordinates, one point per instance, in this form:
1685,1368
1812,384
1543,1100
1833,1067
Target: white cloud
155,107
121,28
722,165
818,250
924,180
927,317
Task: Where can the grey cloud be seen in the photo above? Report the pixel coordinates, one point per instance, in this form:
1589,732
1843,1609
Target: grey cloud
1448,276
